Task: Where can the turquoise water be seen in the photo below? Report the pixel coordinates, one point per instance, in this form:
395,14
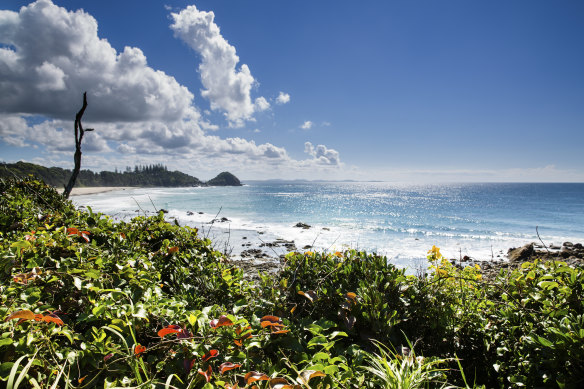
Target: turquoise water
398,220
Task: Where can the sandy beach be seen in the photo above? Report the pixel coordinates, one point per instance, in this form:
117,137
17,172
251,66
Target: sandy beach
90,190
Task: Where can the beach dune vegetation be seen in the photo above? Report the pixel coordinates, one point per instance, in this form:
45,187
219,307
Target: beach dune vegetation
88,302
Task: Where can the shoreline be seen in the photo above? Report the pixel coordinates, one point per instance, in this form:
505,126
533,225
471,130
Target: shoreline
91,190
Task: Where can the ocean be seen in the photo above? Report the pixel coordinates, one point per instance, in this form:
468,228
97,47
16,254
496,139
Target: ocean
400,221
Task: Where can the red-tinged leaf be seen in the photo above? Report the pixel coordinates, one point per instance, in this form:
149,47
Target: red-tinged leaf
29,237
80,380
310,295
254,376
38,317
52,318
107,357
226,366
72,231
139,350
188,364
293,308
122,235
351,296
229,386
20,321
279,332
172,250
271,318
281,383
209,355
307,375
222,321
265,324
207,374
24,278
240,329
170,329
23,314
238,342
184,334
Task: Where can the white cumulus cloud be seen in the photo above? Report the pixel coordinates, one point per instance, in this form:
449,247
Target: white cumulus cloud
283,98
51,56
227,87
307,125
322,154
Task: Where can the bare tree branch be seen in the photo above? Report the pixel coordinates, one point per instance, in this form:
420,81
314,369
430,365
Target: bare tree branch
79,132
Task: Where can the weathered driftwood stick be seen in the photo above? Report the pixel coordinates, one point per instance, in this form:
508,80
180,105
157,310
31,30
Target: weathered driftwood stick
79,132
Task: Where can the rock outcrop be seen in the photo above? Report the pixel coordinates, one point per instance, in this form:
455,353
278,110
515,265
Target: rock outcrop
224,179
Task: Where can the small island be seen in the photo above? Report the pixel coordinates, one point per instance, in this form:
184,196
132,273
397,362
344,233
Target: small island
224,179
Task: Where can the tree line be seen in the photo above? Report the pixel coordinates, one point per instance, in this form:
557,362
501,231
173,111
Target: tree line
147,175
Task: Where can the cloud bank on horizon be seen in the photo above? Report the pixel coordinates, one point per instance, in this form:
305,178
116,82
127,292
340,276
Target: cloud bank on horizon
49,55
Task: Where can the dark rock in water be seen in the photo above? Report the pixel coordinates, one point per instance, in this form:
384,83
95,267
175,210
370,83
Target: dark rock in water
163,210
326,229
521,253
256,253
307,247
578,246
568,244
554,247
245,237
302,225
200,213
466,258
224,179
189,213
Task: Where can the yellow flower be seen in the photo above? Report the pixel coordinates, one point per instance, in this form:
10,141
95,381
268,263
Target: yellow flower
435,252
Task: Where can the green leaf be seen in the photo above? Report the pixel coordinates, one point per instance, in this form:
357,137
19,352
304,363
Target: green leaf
547,284
5,342
338,333
320,356
97,311
544,342
317,340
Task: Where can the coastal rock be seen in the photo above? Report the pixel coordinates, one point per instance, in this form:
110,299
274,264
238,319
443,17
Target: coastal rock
521,253
255,253
302,225
163,210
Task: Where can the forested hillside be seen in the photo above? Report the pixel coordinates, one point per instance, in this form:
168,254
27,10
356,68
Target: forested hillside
149,175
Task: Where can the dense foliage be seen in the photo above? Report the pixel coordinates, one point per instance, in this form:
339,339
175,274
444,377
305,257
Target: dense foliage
150,175
86,302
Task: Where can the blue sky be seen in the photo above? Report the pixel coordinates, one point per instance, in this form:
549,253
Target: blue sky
389,90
